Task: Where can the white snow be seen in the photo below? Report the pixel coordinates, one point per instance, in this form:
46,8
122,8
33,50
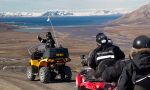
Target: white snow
20,14
91,12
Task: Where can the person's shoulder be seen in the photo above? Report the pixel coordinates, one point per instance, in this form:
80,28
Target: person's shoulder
114,46
97,48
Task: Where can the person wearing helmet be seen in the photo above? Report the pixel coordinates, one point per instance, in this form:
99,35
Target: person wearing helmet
105,51
136,75
101,58
49,41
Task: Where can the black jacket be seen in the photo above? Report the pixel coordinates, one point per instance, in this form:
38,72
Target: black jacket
112,74
118,54
137,69
49,41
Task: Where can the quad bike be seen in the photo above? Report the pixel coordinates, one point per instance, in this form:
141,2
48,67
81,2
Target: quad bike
49,64
83,83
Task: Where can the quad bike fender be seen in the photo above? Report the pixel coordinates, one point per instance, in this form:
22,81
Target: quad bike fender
93,85
34,63
79,79
43,63
97,85
39,63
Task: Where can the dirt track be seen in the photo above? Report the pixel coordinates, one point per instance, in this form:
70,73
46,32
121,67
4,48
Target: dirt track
18,81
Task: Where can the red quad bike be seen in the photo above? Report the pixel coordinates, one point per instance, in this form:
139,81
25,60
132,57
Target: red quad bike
83,84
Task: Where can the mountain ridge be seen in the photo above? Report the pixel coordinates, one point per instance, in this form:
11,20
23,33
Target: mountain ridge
63,13
137,17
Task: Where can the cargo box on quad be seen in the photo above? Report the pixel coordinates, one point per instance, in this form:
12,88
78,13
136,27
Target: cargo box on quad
50,64
53,53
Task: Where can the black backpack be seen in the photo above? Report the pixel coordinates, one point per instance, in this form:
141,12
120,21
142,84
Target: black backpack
142,83
103,65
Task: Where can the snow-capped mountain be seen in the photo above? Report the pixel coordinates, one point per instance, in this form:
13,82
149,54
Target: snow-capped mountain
57,13
140,16
20,14
64,13
85,13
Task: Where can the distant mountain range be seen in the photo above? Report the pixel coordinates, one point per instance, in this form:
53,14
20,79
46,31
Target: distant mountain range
84,13
140,16
20,14
64,13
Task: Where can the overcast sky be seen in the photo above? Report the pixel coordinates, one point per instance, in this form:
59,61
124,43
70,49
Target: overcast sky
44,5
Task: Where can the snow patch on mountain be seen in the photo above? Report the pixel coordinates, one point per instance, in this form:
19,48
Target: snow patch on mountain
92,12
20,14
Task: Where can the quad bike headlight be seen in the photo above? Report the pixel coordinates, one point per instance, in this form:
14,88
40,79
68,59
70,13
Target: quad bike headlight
52,66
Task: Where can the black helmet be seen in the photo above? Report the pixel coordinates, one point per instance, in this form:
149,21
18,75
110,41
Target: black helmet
48,34
101,38
141,42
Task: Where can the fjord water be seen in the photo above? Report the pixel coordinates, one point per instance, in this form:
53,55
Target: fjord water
59,21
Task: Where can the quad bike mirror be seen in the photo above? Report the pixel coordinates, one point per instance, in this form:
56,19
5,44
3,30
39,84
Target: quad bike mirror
83,60
60,46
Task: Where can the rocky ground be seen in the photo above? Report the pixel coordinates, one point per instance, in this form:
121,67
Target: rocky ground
17,81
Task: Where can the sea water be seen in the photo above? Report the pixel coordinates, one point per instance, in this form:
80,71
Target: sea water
35,24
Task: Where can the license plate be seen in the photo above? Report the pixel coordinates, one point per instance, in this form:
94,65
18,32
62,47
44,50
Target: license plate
59,55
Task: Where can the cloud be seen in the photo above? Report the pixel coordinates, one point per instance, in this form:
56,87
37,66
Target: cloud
40,5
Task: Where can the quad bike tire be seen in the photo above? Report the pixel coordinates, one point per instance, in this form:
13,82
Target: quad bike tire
82,88
66,73
45,74
53,75
78,88
30,73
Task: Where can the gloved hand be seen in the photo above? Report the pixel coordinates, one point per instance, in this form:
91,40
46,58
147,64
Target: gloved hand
38,37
